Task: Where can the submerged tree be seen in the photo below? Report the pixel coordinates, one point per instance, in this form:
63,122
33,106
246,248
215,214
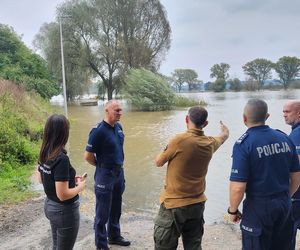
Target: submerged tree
220,71
259,70
287,69
181,76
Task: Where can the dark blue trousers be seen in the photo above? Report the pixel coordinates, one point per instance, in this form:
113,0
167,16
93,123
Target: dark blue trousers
296,219
109,187
267,223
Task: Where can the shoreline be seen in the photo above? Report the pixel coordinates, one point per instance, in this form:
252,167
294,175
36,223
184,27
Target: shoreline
24,226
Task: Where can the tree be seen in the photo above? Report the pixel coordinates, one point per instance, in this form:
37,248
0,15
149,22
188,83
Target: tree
77,74
219,85
118,34
19,64
181,76
148,91
220,71
235,84
259,69
287,69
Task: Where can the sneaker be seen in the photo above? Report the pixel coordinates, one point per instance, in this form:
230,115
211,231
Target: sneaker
119,241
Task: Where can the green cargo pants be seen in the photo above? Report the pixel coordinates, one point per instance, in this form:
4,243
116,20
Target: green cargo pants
186,222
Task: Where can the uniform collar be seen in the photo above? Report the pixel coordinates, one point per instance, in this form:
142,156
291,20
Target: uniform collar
296,125
107,125
257,128
195,131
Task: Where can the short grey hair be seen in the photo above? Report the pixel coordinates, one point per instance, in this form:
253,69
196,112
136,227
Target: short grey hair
256,110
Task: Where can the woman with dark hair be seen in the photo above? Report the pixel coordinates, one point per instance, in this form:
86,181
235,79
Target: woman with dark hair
59,181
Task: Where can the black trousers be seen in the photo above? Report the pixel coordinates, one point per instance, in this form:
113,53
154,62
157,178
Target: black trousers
64,221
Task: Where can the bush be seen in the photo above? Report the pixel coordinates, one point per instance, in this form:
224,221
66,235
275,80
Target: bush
182,101
148,91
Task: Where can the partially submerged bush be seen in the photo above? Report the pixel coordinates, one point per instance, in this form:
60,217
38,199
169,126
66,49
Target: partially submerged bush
148,91
182,101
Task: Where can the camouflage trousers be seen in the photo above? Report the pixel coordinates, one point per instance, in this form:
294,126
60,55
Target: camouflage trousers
186,222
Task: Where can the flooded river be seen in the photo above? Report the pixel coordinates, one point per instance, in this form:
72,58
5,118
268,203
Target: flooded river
147,133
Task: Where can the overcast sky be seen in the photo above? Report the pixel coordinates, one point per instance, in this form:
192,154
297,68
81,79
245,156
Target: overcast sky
204,32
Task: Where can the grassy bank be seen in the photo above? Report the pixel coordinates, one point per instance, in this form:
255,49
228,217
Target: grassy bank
22,116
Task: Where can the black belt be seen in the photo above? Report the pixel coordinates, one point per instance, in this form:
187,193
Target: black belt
110,166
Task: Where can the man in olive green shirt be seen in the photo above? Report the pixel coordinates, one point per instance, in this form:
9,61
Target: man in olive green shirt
182,199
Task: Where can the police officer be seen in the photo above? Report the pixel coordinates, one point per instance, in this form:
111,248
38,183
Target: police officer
105,151
265,166
291,114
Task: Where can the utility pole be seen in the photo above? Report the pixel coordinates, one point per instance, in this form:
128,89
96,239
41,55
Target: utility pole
63,68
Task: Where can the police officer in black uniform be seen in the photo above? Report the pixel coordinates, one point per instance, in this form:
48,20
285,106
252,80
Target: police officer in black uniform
266,167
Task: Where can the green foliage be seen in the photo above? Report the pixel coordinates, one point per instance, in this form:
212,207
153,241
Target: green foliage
182,101
287,69
220,71
219,85
77,73
235,84
148,91
20,65
259,69
114,36
181,76
14,184
22,117
251,85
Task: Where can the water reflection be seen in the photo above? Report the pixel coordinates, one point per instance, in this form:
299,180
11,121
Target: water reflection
147,133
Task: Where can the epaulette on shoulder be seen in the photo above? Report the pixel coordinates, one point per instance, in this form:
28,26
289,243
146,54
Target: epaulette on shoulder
97,125
281,131
242,138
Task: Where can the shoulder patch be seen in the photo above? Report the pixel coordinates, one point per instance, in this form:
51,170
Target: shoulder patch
242,138
280,131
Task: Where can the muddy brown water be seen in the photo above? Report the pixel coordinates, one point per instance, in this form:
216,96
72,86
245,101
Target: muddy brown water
147,133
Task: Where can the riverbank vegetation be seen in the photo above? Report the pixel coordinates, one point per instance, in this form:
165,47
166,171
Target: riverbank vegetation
20,65
22,116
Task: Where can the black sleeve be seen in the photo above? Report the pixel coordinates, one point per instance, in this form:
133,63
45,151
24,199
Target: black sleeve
62,169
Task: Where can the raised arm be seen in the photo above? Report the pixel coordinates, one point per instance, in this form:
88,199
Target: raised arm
224,132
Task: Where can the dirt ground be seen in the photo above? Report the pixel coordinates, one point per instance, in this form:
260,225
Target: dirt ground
24,226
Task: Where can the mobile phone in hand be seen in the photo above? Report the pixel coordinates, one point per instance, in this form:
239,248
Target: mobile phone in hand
84,175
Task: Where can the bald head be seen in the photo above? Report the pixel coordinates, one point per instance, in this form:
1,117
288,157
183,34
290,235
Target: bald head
255,112
291,112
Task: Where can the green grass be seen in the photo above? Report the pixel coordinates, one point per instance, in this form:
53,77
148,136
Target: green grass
14,185
22,118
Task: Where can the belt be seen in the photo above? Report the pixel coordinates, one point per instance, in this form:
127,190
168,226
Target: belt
110,166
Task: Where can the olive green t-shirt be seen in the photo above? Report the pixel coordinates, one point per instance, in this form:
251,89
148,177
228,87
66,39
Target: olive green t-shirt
188,155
